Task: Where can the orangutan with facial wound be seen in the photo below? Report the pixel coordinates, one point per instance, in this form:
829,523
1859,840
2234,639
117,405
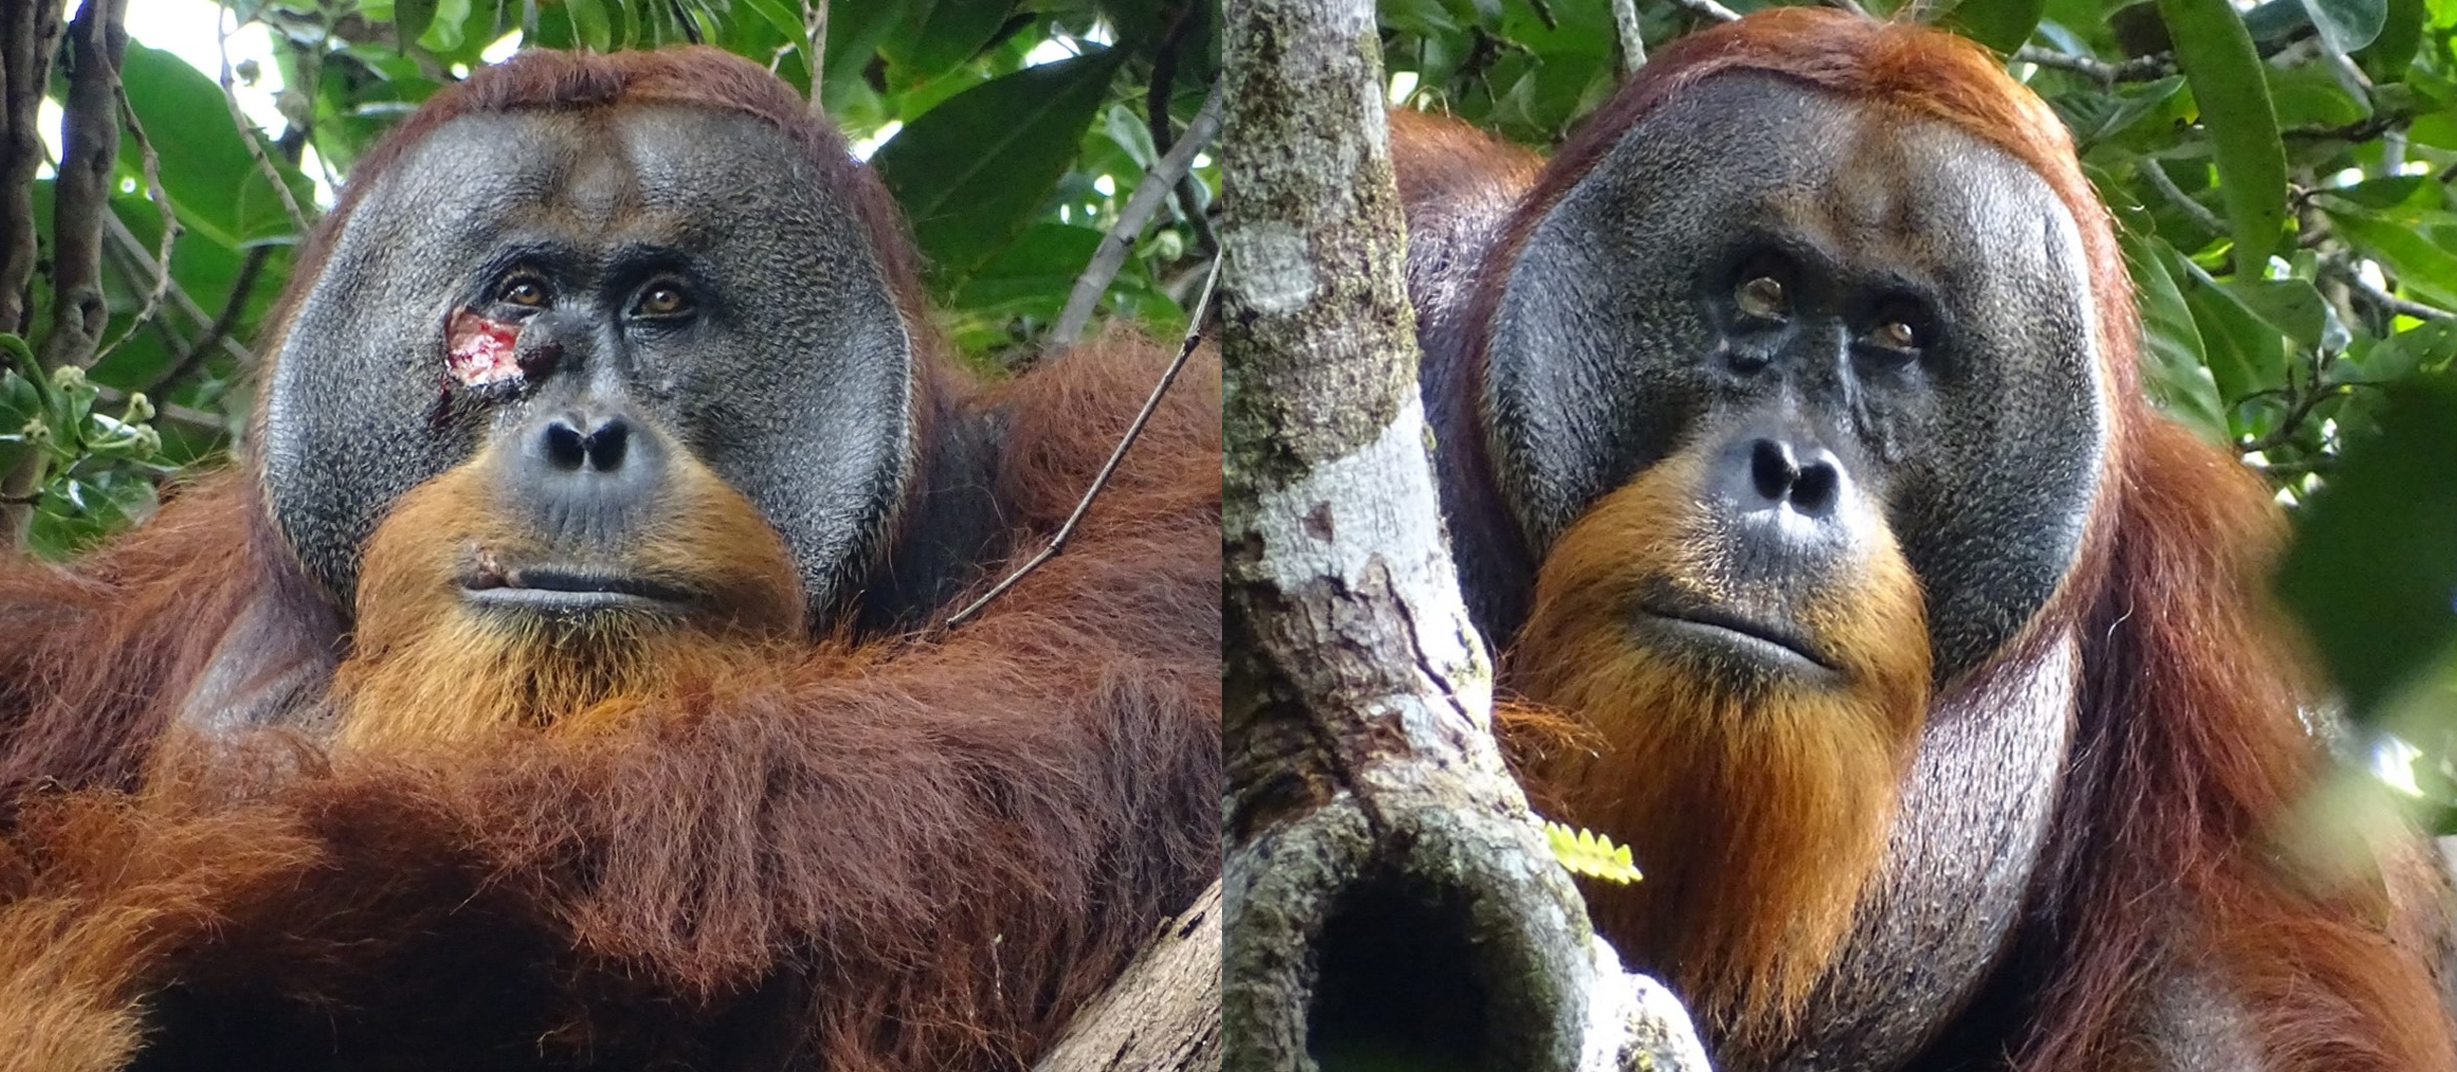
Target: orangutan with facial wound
560,681
1794,451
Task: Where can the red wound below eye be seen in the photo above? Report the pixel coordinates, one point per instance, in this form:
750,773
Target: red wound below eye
478,350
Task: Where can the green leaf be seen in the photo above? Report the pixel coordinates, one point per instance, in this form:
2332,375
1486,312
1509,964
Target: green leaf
939,34
2401,37
776,15
410,19
214,183
2370,572
2310,96
2176,371
2146,108
2385,193
2422,266
1999,24
1033,276
971,172
1585,852
2427,348
444,35
590,26
2217,57
2294,307
2246,355
854,33
2348,25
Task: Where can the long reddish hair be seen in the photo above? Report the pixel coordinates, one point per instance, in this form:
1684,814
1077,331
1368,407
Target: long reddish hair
2188,749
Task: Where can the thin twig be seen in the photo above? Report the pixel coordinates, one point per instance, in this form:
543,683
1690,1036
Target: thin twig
195,420
2382,299
247,127
2295,415
89,137
1194,337
2361,130
1164,133
815,49
29,37
292,144
1544,14
162,205
180,300
2198,212
1625,27
242,288
2148,68
1854,7
690,29
1708,8
1128,227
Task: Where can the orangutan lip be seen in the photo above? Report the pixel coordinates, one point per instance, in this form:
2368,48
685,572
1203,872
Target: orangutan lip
1723,626
560,588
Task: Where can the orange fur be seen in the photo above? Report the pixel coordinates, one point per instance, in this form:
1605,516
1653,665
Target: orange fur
2188,751
894,846
427,667
1757,809
868,853
79,929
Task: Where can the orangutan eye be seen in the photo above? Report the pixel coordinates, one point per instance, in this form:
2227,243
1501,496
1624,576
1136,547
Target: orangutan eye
1903,327
662,300
1895,335
522,289
1761,297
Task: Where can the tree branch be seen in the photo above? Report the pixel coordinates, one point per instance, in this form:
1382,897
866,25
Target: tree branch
81,195
247,129
2361,130
2165,185
1378,846
1127,229
2148,68
815,51
1709,9
1057,543
81,202
1164,133
2381,299
162,206
1163,1013
1625,31
29,35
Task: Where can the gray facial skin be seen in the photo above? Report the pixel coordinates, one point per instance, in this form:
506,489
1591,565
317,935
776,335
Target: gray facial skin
792,378
1621,335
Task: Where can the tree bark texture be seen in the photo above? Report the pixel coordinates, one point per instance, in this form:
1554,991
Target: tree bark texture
1388,893
1163,1015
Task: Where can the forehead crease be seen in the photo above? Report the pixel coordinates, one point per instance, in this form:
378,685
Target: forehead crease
1903,189
698,168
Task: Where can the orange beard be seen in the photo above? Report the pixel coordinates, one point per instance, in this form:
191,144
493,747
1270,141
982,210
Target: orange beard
426,667
1758,807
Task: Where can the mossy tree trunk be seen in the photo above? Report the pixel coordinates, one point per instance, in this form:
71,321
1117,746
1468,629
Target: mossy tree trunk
1389,896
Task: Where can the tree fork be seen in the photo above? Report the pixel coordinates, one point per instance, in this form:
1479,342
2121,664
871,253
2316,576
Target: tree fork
1383,871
